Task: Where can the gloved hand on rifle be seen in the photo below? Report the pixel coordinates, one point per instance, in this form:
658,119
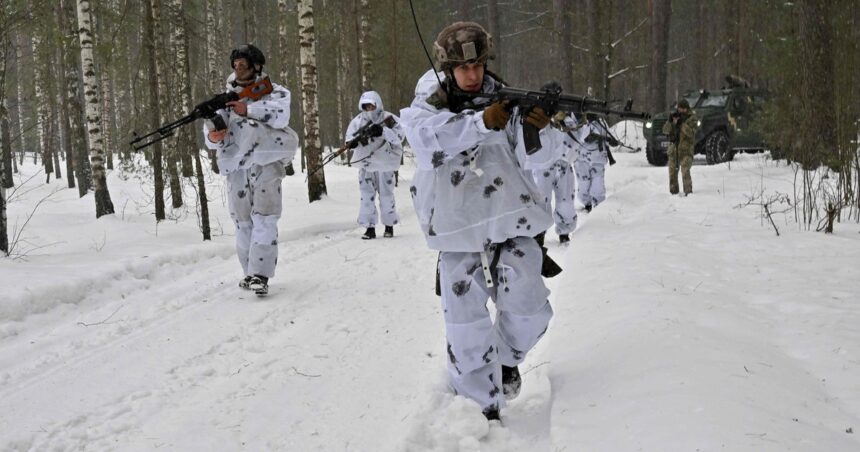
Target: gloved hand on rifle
496,116
375,130
538,118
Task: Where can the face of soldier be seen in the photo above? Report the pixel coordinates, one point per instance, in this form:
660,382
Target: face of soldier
368,107
243,70
469,77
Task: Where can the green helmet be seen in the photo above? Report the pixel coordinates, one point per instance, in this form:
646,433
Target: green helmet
463,43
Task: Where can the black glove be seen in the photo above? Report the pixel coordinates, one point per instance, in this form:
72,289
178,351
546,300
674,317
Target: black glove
496,116
375,130
538,118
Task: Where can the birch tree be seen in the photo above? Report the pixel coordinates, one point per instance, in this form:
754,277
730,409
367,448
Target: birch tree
6,158
311,148
214,11
5,146
71,74
104,206
42,108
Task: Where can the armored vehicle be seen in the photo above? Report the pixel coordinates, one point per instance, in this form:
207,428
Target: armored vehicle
724,123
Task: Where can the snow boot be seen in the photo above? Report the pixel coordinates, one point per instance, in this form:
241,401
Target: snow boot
588,208
245,283
289,169
563,238
511,382
492,414
389,232
369,234
259,284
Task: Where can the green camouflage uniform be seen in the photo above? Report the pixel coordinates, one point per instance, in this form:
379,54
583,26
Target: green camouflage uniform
682,153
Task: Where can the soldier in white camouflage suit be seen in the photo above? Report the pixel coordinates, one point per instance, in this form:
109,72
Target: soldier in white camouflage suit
252,153
481,210
593,154
554,176
376,159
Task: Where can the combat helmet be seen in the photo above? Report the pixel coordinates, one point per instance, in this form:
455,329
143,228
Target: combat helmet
463,43
254,56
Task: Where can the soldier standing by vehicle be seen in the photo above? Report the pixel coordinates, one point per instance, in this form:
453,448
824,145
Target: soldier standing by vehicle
590,164
480,210
254,143
681,130
377,159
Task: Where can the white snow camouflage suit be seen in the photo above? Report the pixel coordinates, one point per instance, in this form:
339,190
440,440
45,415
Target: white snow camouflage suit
474,200
590,165
376,162
252,158
554,176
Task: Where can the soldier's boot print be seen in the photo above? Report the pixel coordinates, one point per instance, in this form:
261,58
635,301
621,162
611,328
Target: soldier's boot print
511,382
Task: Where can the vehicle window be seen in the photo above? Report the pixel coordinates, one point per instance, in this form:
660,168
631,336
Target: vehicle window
715,101
692,100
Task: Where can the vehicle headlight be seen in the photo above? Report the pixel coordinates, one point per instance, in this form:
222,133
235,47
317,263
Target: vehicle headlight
698,123
648,125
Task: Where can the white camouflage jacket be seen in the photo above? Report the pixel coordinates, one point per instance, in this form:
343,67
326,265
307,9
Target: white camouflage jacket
261,137
470,188
381,153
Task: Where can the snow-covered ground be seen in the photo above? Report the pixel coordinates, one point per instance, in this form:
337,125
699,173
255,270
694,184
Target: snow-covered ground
680,324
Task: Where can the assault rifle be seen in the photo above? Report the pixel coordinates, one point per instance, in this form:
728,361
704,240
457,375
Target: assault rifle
551,100
362,136
204,110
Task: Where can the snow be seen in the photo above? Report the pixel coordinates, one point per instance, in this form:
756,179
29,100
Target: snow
680,324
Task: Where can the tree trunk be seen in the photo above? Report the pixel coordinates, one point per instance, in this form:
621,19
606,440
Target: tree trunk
5,138
72,75
40,80
104,206
62,103
149,42
595,67
170,152
183,80
307,53
562,29
661,11
214,83
817,69
493,29
364,46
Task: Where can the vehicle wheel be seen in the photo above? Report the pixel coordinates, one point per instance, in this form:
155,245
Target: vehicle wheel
717,148
656,157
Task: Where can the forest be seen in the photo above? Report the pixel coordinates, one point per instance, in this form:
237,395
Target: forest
80,78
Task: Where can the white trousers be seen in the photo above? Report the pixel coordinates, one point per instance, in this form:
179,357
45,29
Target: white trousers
591,187
371,184
477,347
558,180
254,200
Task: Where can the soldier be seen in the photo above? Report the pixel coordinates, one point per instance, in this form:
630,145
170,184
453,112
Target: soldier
681,130
593,154
252,151
377,159
480,210
554,175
